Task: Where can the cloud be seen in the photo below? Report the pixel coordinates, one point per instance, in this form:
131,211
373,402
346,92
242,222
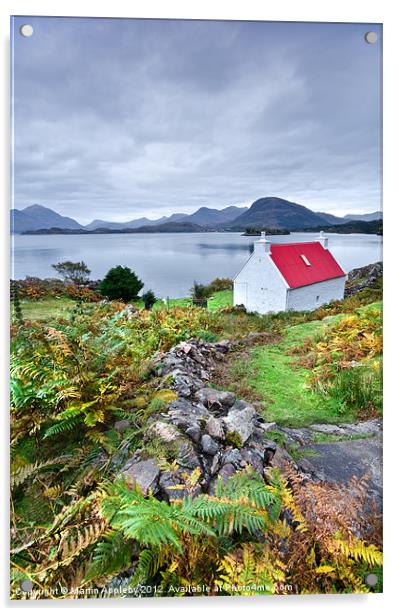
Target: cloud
116,119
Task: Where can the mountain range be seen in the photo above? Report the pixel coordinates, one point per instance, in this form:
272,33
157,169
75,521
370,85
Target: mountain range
270,212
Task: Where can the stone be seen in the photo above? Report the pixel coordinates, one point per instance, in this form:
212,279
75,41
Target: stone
269,452
281,458
144,473
122,425
165,431
225,472
187,456
168,482
209,446
214,428
232,456
194,433
215,463
253,458
215,399
239,420
266,426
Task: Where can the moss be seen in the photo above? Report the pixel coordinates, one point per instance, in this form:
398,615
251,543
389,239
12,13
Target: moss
160,450
166,395
234,439
140,402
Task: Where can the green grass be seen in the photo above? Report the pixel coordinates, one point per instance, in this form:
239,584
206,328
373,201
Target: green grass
46,309
220,299
181,301
281,384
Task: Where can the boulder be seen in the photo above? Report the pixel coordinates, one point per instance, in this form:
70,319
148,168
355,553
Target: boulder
239,421
232,456
215,399
194,433
214,428
187,456
253,458
144,473
209,446
165,431
171,487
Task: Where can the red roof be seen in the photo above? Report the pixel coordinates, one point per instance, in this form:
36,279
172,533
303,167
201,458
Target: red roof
317,265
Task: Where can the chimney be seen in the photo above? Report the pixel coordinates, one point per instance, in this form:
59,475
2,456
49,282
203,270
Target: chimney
323,239
262,246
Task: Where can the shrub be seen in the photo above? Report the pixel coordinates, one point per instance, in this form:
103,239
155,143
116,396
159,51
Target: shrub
121,283
149,299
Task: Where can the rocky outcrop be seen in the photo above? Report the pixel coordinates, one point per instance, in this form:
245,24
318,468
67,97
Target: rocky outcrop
363,277
210,434
213,434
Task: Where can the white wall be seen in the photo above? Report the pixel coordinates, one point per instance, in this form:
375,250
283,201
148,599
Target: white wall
314,295
259,285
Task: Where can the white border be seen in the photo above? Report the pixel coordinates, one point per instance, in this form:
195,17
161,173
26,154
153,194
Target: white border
286,10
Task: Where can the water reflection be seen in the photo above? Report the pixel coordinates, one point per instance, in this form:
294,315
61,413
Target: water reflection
170,262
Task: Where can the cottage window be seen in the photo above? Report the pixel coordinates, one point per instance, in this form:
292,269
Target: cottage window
305,260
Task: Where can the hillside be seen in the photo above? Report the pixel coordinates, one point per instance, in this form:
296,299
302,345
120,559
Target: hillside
209,217
366,217
277,213
373,227
39,217
166,227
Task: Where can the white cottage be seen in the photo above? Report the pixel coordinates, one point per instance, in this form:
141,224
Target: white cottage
299,276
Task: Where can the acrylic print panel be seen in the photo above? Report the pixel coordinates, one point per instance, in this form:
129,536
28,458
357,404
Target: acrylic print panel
196,308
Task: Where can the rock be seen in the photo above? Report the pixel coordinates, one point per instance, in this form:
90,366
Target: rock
370,428
253,458
269,452
209,446
144,474
225,472
165,431
187,456
232,456
266,426
214,428
194,433
215,463
339,462
239,420
215,399
167,483
122,425
281,458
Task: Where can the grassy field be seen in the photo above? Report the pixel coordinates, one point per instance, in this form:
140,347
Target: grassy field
45,309
274,377
281,384
221,299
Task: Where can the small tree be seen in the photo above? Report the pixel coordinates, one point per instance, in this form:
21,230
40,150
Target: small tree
121,283
78,273
149,299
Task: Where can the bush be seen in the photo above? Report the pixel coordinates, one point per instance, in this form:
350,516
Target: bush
121,283
149,299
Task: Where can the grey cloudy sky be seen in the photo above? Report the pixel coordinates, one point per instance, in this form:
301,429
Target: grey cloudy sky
117,119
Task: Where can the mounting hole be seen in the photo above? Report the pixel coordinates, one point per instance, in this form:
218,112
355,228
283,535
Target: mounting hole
371,37
371,579
26,30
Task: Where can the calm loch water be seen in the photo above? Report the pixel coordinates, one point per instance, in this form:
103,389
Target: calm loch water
168,263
